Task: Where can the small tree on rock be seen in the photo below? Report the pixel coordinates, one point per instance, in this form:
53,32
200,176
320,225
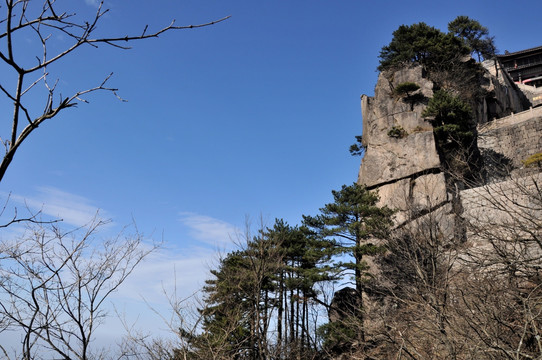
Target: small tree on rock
455,133
407,91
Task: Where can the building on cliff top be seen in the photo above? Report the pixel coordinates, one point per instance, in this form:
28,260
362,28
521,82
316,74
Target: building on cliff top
525,66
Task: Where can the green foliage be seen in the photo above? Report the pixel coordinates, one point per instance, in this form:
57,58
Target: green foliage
445,61
474,35
455,134
305,257
444,57
353,216
357,149
446,50
405,89
225,317
420,43
397,132
534,160
353,219
268,283
337,335
409,44
451,118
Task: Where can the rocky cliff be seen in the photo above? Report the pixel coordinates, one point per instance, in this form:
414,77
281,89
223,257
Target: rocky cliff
401,157
457,244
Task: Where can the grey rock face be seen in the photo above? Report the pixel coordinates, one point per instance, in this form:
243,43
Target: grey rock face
389,158
401,159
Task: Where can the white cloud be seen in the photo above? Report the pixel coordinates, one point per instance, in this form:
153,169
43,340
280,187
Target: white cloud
181,271
93,3
143,300
71,208
209,230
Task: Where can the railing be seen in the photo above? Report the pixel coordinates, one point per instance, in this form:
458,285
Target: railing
512,119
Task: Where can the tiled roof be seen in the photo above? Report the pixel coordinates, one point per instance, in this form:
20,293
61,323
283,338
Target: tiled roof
538,48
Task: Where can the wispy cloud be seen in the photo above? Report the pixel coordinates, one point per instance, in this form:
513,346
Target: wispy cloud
209,230
166,277
174,271
181,271
93,3
168,271
71,208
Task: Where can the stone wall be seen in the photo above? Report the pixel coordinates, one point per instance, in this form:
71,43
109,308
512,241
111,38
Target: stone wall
533,94
515,137
504,208
492,200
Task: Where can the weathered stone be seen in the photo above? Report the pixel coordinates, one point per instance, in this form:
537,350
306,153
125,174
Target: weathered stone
441,222
394,159
506,99
433,212
385,109
429,191
413,195
514,138
344,305
391,158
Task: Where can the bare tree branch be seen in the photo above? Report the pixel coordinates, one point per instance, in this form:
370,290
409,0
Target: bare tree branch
47,22
55,284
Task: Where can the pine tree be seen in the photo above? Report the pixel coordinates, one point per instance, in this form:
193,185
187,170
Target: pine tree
354,221
227,311
422,44
305,262
474,35
263,292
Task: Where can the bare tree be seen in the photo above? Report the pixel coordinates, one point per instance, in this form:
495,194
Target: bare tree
187,340
183,322
44,21
443,293
412,292
55,284
502,296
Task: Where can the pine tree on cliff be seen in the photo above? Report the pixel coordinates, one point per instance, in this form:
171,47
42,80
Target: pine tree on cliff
474,35
422,44
445,57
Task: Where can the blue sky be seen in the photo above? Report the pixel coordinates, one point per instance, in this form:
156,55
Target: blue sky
253,116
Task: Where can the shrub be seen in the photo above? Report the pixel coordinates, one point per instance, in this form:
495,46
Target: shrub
419,129
450,116
534,160
357,149
405,89
397,132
